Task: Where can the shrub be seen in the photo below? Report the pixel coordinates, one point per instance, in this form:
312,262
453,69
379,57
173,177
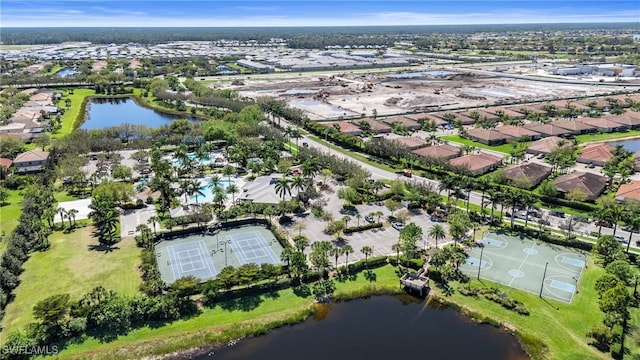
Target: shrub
364,227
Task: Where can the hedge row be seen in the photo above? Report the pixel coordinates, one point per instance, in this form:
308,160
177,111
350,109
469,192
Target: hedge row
364,227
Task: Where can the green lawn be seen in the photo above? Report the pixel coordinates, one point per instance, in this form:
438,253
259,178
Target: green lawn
10,212
71,114
71,266
210,325
506,148
607,136
561,327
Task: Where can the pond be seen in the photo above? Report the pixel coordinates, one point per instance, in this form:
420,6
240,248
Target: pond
103,113
632,145
381,327
66,72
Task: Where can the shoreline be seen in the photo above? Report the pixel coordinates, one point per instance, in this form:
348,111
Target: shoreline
630,137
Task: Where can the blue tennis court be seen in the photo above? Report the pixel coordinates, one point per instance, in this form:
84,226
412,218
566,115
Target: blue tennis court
251,247
527,265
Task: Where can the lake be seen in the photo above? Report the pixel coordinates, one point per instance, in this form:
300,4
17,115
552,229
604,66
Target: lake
381,327
632,145
103,113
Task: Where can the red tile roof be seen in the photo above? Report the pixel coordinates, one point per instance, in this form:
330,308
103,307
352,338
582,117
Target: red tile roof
475,162
6,163
630,191
601,152
548,144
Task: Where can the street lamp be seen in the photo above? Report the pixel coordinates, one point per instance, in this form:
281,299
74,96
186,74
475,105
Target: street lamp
544,275
480,263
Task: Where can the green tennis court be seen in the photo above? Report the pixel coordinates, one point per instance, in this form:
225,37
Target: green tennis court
520,263
203,255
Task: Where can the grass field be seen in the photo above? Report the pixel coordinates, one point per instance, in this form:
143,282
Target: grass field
607,136
210,325
561,327
71,114
506,148
10,212
72,266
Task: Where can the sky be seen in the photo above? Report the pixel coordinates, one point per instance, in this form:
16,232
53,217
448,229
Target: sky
234,13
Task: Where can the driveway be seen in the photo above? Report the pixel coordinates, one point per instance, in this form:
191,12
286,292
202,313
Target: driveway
130,219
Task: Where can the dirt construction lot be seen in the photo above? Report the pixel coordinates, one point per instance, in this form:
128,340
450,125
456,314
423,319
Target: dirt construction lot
348,94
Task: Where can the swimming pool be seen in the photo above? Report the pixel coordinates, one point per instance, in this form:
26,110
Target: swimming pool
205,161
208,192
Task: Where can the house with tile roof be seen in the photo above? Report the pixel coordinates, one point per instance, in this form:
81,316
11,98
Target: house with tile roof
31,161
547,129
475,164
630,119
547,145
630,191
527,175
406,123
488,136
427,117
590,184
347,127
412,142
441,153
603,124
575,127
377,126
596,154
518,132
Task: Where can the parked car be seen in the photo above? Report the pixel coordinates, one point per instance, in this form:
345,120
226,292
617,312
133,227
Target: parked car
435,218
305,144
540,156
583,219
544,222
369,219
621,239
628,228
559,214
397,225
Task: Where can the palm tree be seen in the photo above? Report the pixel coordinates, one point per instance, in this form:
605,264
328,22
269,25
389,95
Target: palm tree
437,232
347,249
309,169
227,171
358,217
378,214
366,251
298,183
72,216
233,190
346,219
301,242
145,235
616,213
396,248
194,189
185,188
219,196
633,222
283,187
63,212
297,135
285,256
268,211
214,181
336,252
153,220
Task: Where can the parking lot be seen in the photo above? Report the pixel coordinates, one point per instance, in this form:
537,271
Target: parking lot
381,240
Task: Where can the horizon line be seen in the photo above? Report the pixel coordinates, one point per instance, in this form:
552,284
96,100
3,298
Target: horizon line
312,26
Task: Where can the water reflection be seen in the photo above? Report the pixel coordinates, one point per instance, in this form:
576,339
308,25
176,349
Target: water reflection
379,328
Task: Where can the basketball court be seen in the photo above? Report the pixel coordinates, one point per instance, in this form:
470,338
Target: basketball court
527,265
204,255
